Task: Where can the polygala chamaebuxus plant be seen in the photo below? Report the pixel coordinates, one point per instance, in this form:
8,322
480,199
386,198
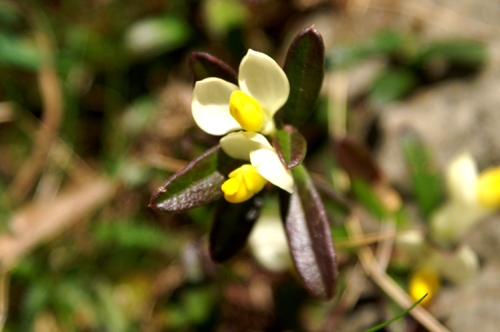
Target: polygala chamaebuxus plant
256,111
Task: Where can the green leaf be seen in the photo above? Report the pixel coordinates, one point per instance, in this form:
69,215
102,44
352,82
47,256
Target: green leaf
427,185
364,193
197,184
153,36
221,16
136,235
231,227
290,145
305,69
465,52
378,327
18,53
309,236
204,65
392,84
356,160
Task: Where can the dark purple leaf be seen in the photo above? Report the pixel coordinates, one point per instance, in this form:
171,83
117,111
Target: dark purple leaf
309,236
197,184
290,145
204,65
305,69
356,160
232,225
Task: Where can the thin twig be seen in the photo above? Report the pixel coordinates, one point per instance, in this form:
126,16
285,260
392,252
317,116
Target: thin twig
367,239
337,105
384,249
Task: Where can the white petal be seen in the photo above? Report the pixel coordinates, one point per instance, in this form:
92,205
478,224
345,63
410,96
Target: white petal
461,179
459,267
270,167
268,242
239,145
411,247
453,219
262,78
210,106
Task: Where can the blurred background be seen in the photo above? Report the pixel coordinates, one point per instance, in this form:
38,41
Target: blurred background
95,115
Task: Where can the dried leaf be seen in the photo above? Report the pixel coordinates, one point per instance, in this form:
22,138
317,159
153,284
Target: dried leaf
204,65
356,160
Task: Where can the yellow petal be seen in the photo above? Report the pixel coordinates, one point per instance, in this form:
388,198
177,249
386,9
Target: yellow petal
243,183
246,111
488,188
424,281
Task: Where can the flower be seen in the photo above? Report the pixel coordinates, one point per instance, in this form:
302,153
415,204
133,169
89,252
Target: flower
472,196
220,107
249,179
431,264
268,242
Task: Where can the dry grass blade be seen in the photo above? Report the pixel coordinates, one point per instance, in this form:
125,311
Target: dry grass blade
387,284
42,221
52,106
366,239
4,298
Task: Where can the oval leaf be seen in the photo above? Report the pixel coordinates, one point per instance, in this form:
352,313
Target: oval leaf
232,225
305,69
290,145
309,236
356,160
426,180
197,184
204,65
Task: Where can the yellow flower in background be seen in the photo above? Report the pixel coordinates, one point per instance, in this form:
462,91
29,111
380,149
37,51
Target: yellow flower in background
488,187
220,107
265,166
431,264
424,281
472,197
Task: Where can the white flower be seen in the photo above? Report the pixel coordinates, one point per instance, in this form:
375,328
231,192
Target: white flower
264,161
430,264
472,196
219,107
268,241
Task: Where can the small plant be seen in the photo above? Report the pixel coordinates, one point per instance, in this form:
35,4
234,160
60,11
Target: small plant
257,119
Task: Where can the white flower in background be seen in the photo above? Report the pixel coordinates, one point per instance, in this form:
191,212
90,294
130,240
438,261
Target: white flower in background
220,107
472,196
268,241
431,264
249,179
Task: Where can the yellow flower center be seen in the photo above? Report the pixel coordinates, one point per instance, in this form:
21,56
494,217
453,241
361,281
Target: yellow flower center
246,110
488,188
424,281
243,183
